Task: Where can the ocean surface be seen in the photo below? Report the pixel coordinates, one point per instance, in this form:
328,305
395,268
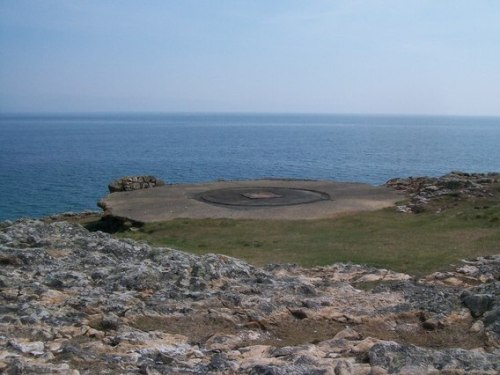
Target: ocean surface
56,163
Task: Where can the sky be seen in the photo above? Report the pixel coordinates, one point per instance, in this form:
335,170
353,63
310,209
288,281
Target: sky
313,56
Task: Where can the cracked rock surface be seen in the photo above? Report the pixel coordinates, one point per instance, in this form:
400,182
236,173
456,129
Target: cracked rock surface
76,302
422,191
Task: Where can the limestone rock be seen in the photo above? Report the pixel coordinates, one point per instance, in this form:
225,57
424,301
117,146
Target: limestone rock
478,304
129,183
422,191
398,358
76,302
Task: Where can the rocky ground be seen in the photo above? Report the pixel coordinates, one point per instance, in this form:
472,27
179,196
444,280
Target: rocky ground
422,192
76,302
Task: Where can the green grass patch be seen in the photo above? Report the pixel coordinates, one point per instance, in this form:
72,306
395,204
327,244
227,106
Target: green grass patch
416,244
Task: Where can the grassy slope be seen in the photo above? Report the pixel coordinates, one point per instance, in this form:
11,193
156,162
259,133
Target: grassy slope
416,244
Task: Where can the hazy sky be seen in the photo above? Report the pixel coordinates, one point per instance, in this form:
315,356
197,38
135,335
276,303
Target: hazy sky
401,56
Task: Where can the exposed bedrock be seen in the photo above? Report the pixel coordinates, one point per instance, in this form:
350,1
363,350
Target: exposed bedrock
422,191
75,302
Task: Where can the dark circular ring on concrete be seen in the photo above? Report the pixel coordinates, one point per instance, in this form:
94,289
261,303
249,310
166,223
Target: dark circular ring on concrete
261,196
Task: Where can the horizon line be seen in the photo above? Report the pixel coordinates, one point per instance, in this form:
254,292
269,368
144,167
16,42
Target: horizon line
255,113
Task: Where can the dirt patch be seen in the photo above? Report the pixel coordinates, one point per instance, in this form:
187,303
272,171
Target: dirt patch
295,331
411,329
292,331
200,328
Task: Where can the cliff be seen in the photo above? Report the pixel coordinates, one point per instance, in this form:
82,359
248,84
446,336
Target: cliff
76,302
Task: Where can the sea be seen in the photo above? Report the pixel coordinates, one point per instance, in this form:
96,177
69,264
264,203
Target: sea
58,163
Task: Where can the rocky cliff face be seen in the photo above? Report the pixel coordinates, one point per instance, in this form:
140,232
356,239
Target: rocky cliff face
75,302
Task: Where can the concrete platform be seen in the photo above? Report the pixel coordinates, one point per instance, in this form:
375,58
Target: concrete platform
255,199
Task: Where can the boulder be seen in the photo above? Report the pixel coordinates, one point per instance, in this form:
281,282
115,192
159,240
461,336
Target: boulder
129,183
478,304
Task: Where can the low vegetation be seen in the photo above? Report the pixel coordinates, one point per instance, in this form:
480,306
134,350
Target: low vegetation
450,229
289,331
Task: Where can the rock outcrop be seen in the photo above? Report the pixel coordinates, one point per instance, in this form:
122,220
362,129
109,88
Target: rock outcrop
422,191
129,183
75,302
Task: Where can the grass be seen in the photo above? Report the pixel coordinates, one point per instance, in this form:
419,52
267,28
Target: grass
417,244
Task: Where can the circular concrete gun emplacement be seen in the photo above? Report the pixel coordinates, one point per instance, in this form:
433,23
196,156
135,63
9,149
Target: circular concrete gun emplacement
252,199
261,196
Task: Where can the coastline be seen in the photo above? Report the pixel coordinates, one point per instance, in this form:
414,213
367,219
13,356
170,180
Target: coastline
190,149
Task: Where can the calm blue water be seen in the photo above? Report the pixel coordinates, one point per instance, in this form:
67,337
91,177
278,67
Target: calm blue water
51,164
